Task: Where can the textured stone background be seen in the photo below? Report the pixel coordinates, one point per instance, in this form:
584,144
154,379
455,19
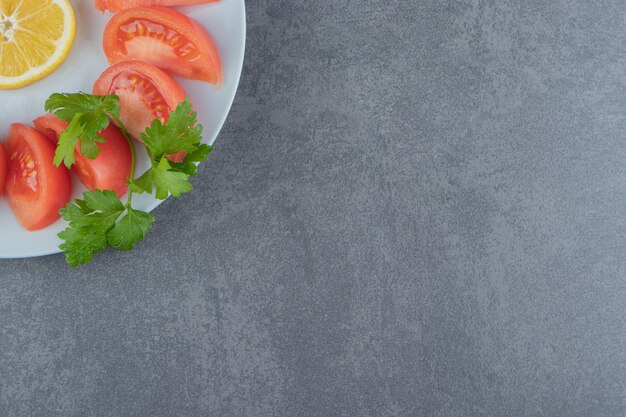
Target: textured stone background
415,208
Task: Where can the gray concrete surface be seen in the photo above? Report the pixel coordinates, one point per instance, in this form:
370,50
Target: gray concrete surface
416,208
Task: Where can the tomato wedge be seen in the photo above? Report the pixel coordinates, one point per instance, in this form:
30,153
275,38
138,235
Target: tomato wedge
36,189
110,170
3,168
117,5
166,38
146,93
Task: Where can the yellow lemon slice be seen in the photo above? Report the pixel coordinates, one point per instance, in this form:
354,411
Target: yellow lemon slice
35,38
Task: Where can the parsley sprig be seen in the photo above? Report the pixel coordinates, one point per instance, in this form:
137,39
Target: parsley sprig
87,115
182,133
100,219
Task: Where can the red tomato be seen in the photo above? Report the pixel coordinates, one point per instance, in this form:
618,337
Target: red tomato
3,168
110,170
36,189
146,93
117,5
166,38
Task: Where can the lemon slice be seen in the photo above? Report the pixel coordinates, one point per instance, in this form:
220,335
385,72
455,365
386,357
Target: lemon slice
35,38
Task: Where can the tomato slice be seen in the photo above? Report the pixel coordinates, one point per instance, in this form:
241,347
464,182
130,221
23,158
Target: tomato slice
3,168
166,38
146,93
110,170
36,189
117,5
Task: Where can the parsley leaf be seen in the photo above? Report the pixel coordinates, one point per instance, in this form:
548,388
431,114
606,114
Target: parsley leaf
98,220
132,228
80,244
66,147
143,184
180,134
104,200
90,219
168,182
189,164
87,115
66,106
164,179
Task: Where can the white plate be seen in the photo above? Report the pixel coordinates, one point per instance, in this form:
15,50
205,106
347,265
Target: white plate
225,20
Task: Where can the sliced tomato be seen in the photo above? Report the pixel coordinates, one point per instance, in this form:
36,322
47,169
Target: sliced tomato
110,170
50,126
3,168
146,93
166,38
117,5
36,189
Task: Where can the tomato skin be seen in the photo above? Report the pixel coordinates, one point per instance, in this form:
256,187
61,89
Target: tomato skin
137,110
166,38
36,189
110,170
3,168
117,5
146,93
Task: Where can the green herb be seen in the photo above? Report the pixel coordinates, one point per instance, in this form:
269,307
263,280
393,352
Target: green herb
100,219
87,115
181,134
